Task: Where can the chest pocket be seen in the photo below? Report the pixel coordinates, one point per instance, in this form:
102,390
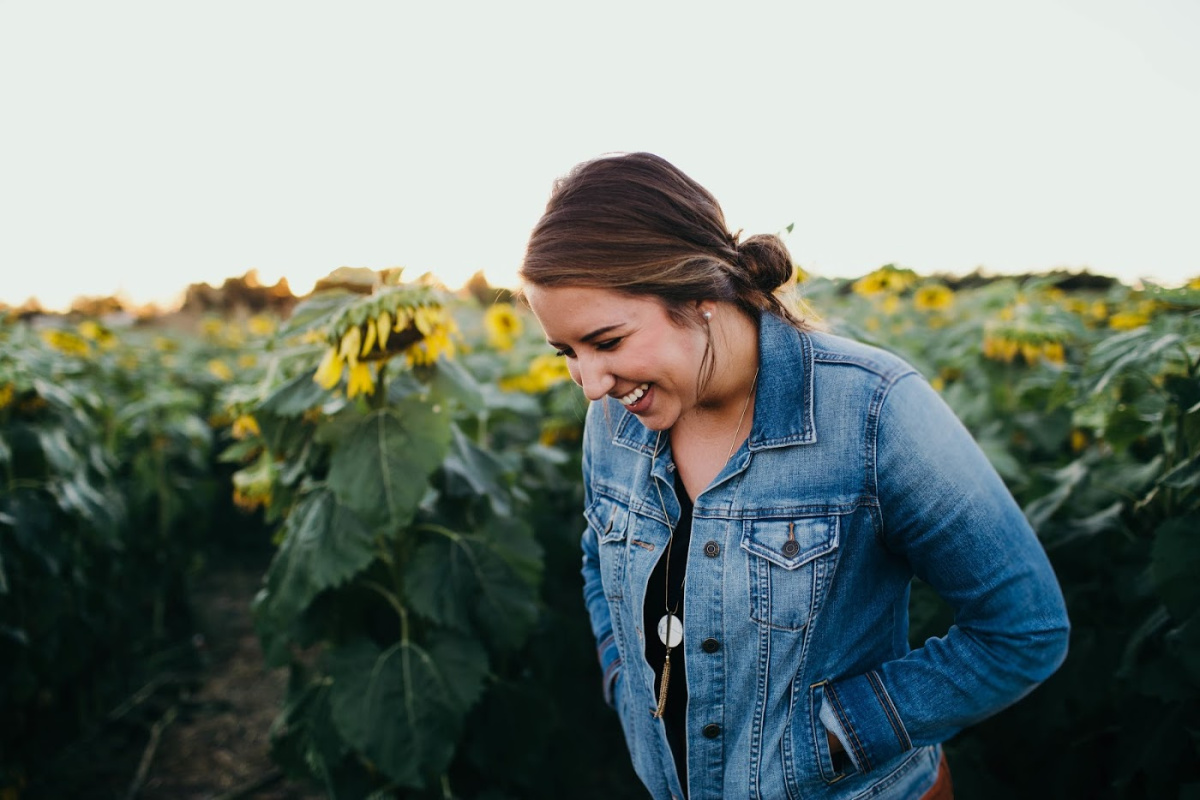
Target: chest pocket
610,520
786,570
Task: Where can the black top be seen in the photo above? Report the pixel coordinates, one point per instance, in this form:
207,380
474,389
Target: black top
675,715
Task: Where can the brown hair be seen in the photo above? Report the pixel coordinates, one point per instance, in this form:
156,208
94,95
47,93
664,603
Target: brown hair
635,223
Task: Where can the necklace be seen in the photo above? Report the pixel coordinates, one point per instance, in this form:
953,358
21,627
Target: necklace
670,626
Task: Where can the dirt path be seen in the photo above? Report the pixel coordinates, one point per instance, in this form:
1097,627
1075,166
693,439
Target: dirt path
218,746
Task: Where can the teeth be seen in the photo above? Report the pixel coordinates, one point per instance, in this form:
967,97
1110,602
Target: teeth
635,395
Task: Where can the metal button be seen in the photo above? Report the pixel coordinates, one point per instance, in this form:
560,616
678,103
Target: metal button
711,731
790,548
712,549
710,645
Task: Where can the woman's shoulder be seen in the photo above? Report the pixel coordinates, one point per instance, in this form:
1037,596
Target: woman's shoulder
836,350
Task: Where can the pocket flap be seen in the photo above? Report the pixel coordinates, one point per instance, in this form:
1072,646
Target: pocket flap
790,543
608,519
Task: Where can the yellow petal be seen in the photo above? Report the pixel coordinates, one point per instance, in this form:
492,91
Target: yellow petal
360,381
384,326
369,341
330,371
244,426
426,318
351,340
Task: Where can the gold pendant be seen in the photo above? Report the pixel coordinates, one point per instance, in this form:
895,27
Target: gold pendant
662,688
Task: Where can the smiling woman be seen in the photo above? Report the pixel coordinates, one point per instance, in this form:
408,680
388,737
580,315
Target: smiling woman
759,496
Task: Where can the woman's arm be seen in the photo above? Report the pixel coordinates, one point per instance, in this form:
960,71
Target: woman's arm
944,508
593,588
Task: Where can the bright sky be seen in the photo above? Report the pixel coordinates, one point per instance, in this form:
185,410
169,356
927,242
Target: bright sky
148,145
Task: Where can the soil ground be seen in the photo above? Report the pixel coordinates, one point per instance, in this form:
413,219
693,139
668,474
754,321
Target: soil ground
218,746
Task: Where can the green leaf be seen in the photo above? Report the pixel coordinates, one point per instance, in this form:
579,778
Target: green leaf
439,581
60,455
470,470
296,396
304,740
381,467
1066,479
1085,527
517,545
515,402
1175,563
238,452
316,312
1137,353
1184,476
1183,642
1001,459
1184,390
1142,635
453,383
491,579
324,545
403,707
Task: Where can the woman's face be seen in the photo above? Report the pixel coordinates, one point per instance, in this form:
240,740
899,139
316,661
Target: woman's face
624,346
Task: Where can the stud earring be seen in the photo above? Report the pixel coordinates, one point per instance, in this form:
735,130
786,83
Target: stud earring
707,315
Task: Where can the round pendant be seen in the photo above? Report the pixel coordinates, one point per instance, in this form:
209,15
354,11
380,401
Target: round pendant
670,630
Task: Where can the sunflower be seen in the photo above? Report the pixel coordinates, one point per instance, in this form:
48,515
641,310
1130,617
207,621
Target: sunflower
66,342
503,325
220,370
933,297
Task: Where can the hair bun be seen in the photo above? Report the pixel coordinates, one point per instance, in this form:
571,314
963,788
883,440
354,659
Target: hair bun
766,262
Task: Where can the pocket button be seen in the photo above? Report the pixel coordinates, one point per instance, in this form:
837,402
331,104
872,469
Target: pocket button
712,549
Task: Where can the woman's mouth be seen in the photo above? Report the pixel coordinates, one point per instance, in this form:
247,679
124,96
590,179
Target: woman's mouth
637,400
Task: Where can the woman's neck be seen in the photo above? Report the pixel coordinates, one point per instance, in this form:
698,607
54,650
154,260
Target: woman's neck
727,399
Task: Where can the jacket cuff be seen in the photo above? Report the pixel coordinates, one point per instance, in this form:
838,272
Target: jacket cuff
871,729
610,665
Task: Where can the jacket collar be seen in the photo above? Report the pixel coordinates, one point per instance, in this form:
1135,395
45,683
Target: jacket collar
783,409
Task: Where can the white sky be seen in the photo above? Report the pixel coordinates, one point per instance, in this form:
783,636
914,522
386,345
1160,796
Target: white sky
148,145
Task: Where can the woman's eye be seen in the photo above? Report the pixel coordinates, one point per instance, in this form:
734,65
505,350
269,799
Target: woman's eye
608,345
564,353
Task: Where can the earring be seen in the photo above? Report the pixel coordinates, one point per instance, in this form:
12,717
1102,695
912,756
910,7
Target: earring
707,316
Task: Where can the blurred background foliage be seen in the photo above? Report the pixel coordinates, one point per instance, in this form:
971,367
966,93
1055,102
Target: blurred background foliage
411,458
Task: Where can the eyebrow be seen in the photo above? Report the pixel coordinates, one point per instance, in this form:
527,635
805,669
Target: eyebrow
589,337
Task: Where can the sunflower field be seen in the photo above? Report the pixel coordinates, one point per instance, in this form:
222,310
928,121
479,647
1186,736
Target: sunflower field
413,454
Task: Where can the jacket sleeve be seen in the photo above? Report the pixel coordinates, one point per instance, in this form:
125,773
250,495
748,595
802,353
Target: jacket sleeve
593,589
944,509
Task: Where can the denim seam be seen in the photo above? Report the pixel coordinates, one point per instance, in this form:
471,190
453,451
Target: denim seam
889,710
609,674
879,787
787,744
871,433
760,710
813,715
840,710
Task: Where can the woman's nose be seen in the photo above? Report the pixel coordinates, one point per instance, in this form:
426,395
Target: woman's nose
594,377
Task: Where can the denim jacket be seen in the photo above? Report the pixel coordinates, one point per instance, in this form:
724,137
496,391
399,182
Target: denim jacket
855,477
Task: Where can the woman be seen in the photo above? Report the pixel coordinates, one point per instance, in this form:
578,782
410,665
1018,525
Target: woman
759,496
